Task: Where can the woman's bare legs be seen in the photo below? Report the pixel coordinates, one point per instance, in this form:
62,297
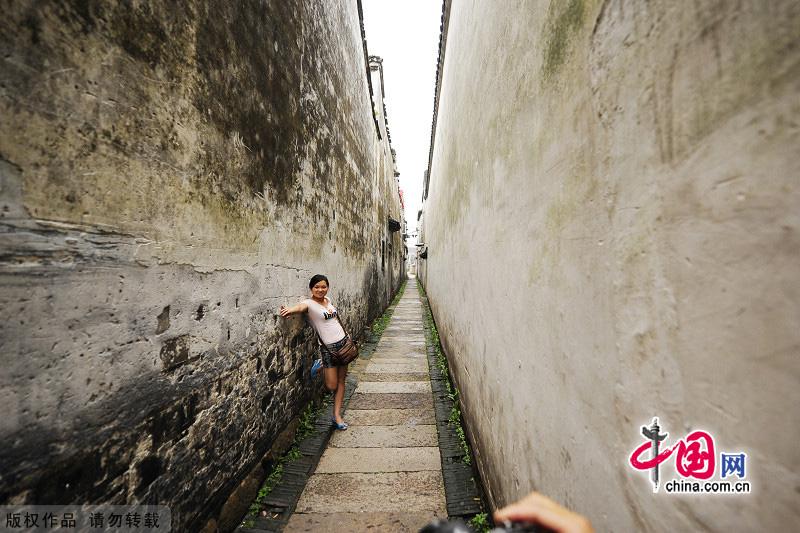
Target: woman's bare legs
334,381
331,378
338,399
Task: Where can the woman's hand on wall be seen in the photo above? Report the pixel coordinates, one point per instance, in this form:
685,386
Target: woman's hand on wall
288,311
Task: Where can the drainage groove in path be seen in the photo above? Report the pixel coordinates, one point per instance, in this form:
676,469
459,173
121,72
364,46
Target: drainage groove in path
463,495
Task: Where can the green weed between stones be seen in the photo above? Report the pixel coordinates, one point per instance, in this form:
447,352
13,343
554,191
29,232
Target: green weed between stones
304,429
452,391
480,523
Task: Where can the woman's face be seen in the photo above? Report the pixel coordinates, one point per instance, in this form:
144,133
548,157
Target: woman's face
319,290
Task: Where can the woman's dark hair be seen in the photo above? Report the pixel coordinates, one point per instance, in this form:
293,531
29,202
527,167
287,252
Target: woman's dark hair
316,279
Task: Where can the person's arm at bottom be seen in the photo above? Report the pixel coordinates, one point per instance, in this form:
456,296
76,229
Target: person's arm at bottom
537,509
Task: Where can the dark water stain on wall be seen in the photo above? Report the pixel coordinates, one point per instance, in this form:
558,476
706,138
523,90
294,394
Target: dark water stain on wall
260,97
563,22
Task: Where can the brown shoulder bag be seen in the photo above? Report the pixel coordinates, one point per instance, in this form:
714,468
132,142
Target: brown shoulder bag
347,353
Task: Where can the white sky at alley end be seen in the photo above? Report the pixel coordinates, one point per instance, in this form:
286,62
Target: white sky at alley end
405,33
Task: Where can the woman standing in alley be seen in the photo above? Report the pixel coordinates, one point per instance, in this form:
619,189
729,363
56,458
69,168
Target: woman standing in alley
325,320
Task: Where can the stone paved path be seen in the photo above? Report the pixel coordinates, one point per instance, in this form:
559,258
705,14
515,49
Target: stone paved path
384,472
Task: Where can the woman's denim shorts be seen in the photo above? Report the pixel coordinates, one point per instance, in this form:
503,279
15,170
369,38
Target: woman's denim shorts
327,356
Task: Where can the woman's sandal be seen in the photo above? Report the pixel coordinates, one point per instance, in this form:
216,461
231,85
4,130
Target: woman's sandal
339,426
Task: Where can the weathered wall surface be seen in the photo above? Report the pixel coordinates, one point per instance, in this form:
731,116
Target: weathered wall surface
613,236
392,246
172,174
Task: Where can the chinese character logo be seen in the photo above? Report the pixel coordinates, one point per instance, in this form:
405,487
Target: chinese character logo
733,463
651,434
695,459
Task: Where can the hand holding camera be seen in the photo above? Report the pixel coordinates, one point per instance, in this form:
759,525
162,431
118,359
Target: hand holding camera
534,513
541,510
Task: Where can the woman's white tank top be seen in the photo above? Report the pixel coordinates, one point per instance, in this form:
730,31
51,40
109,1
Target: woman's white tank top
324,321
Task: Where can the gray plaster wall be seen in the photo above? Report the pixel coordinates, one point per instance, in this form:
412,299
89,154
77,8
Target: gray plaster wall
612,226
170,174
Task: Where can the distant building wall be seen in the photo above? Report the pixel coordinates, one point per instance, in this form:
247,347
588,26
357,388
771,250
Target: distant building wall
171,174
612,227
388,186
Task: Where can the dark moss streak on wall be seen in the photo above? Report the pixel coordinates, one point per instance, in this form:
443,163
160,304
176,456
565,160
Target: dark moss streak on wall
156,68
259,96
260,79
565,19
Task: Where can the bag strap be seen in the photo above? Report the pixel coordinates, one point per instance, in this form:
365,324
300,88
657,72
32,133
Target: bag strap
340,323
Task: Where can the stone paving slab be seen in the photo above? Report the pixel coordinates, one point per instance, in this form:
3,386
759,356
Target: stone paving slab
390,491
385,437
396,522
391,401
397,359
394,368
411,376
400,347
408,330
338,460
367,387
397,338
399,351
389,417
401,343
404,331
402,360
411,357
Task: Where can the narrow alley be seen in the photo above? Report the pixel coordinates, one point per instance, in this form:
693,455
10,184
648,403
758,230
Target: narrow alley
564,233
385,472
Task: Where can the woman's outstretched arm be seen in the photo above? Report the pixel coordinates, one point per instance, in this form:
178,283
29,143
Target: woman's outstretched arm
284,311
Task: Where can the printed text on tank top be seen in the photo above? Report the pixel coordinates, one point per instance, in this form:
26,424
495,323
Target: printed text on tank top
328,313
322,320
